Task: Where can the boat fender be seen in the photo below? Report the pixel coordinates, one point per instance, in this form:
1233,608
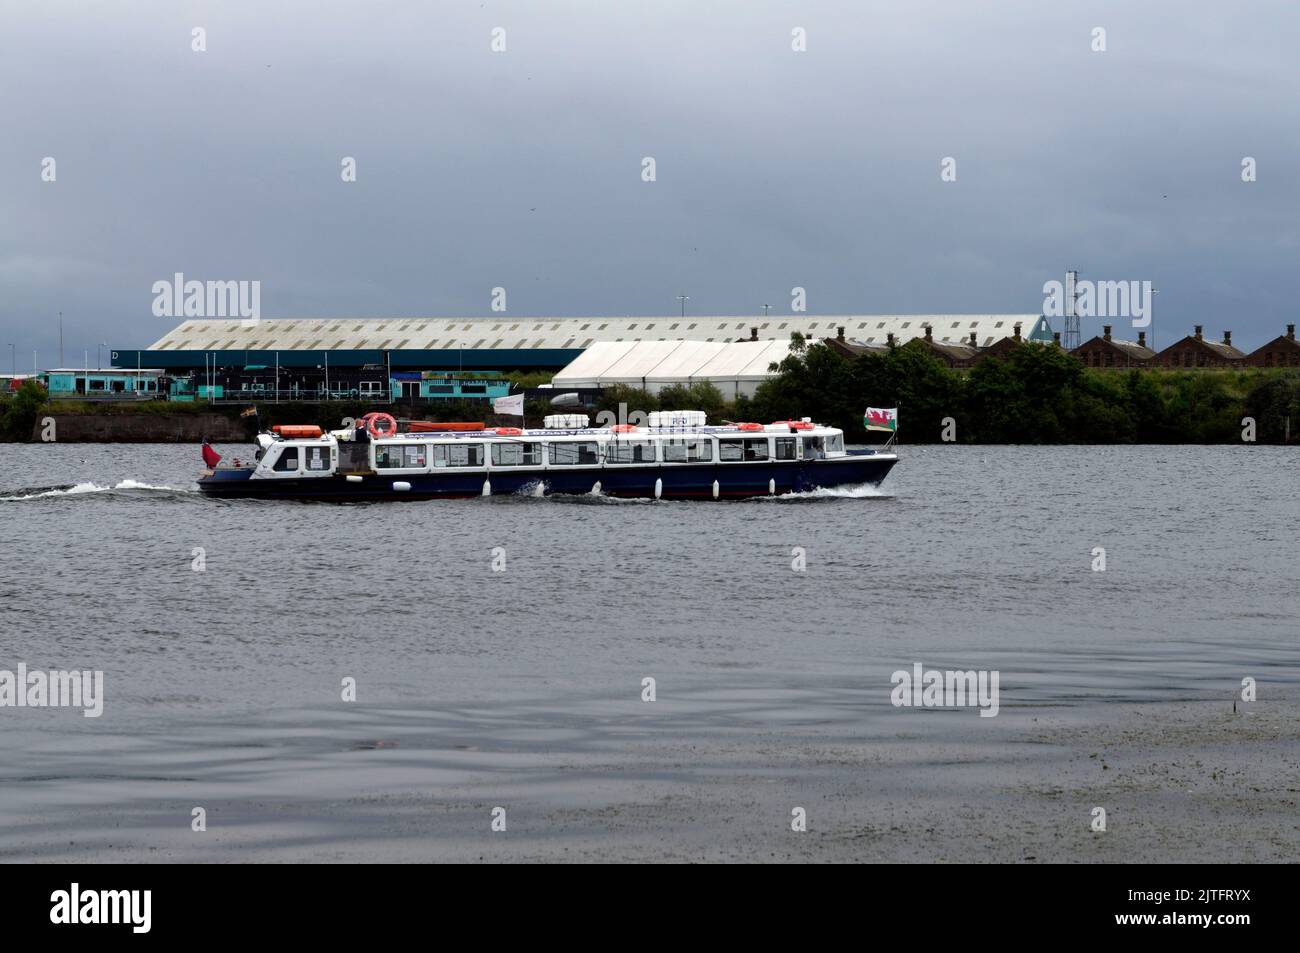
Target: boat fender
716,488
659,488
401,486
353,478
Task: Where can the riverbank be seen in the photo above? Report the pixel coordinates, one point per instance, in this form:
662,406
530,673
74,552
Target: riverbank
177,422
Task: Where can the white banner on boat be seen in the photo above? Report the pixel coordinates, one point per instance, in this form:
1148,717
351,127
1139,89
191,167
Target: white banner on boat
514,404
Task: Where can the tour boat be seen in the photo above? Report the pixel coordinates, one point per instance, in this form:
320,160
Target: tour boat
675,456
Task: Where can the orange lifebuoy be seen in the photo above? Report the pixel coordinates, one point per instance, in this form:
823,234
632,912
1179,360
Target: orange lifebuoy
508,432
623,428
794,424
749,427
372,420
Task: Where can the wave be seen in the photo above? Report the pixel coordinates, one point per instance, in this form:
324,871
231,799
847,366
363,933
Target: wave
857,491
81,489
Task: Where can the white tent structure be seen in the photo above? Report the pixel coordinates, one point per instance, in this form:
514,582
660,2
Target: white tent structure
735,367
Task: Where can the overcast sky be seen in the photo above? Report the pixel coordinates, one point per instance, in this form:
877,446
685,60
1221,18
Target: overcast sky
523,169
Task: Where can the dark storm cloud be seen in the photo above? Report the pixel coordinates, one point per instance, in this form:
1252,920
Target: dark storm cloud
522,169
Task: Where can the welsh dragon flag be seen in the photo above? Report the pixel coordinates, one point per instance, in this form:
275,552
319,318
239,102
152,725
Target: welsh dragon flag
881,418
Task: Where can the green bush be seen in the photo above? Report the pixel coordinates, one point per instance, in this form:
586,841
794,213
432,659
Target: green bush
18,413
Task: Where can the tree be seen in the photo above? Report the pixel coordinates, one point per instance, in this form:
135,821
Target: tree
20,411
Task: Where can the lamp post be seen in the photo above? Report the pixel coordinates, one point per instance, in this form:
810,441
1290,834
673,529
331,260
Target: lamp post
1152,316
683,299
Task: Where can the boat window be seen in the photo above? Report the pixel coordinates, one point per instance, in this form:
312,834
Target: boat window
516,454
785,448
574,454
812,448
288,460
688,451
630,451
458,454
318,458
835,443
730,451
399,456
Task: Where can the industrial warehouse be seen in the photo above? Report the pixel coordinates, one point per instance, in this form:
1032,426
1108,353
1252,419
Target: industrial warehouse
229,360
431,358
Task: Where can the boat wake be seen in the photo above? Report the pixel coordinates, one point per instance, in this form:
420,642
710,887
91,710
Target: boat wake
83,489
861,491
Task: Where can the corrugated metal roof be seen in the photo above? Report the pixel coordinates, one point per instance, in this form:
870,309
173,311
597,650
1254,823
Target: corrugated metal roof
493,333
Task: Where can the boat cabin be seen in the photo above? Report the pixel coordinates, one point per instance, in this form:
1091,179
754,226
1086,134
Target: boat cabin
284,456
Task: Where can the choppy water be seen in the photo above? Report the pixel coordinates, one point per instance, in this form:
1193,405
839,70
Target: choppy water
966,557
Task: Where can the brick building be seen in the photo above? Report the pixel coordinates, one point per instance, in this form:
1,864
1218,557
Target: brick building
1107,351
1195,351
1282,351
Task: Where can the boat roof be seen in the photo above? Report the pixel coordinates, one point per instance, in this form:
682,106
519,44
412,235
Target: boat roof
728,430
725,430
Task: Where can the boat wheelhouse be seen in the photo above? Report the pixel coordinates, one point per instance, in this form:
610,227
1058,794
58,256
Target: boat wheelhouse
676,457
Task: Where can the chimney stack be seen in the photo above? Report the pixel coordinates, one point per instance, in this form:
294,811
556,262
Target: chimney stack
1290,331
890,338
1105,332
1227,338
1142,339
929,334
753,334
1198,332
839,334
974,341
1056,338
1016,331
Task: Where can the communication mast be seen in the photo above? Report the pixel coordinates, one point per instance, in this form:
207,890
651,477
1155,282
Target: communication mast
1071,312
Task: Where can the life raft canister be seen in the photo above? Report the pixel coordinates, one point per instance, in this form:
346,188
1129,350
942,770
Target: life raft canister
749,427
297,430
623,428
372,422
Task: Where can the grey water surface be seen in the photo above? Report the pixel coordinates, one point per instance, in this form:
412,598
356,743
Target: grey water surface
224,685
